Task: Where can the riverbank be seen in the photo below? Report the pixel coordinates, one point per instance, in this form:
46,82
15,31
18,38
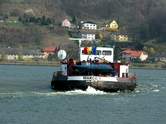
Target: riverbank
56,63
31,63
149,65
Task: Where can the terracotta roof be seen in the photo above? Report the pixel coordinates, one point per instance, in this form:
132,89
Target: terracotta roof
50,50
132,53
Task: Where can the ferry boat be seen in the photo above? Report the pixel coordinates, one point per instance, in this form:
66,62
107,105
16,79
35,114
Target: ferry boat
96,68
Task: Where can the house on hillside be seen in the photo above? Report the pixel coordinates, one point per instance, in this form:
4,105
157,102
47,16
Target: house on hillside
13,54
29,12
32,55
130,55
49,51
113,26
9,54
88,36
66,23
88,25
120,38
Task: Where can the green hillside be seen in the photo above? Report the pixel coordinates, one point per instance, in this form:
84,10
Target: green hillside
143,20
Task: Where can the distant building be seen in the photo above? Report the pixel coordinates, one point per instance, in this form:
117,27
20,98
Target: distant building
113,26
89,36
66,23
130,55
120,38
30,55
123,38
88,25
9,54
49,51
12,57
30,12
12,54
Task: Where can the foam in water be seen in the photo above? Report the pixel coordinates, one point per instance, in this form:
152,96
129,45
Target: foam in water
89,91
156,90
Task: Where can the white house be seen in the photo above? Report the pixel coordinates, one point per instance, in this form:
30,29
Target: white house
12,57
89,25
66,23
27,57
113,26
88,36
32,54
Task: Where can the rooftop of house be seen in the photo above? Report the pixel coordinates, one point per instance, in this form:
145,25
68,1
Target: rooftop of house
133,53
50,49
90,22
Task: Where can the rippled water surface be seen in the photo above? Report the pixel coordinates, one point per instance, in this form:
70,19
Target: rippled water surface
26,98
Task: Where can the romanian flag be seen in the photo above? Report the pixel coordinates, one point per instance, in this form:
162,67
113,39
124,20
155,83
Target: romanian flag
94,50
89,50
85,50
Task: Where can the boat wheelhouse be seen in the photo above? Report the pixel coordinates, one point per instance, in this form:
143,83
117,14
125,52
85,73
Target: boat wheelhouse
92,53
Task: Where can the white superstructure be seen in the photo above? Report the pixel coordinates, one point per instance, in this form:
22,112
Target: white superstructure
104,53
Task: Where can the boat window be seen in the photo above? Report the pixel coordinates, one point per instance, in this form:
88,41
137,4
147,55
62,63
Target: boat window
107,52
98,52
82,51
94,69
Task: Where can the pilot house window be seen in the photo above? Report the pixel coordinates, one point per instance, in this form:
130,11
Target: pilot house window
98,52
107,52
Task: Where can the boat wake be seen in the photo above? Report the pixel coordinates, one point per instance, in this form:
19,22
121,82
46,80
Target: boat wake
144,88
89,91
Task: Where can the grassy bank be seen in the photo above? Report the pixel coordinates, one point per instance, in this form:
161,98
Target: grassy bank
56,63
31,63
150,65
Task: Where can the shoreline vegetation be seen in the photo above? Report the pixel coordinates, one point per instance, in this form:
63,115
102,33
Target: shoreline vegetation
56,63
31,63
149,66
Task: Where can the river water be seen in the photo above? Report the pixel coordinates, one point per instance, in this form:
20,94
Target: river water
26,98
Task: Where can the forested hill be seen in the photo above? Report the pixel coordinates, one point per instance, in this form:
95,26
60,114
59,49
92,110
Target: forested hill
144,20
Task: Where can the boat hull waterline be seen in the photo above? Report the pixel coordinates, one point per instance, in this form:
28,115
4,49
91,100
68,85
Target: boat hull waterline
61,83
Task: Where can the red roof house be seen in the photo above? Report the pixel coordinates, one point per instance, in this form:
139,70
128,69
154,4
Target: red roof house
134,54
50,50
